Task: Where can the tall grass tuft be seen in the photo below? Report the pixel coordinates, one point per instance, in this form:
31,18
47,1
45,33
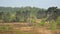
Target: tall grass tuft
53,25
42,22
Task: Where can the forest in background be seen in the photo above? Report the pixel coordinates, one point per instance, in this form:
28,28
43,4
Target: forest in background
25,14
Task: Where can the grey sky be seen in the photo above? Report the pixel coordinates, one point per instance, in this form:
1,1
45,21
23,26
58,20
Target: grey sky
35,3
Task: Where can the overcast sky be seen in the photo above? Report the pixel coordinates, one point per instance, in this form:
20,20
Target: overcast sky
35,3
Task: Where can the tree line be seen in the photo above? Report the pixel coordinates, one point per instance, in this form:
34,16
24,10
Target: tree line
25,14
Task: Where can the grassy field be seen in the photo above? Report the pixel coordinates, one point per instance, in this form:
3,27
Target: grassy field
25,28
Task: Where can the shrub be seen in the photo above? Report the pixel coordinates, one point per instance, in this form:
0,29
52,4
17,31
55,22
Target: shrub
42,22
53,25
58,21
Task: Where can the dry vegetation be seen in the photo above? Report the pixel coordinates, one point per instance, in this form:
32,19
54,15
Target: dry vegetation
24,28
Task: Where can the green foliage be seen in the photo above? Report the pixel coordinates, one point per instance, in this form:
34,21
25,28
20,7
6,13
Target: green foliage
42,22
3,28
52,13
53,25
58,21
6,28
9,14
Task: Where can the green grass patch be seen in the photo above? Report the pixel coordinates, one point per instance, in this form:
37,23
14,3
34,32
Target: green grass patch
53,25
6,28
42,22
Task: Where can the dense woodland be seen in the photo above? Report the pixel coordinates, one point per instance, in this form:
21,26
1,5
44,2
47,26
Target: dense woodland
25,14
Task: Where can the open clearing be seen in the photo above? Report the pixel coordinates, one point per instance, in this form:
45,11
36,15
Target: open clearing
24,28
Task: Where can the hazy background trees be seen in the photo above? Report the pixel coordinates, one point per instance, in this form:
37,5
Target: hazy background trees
25,14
